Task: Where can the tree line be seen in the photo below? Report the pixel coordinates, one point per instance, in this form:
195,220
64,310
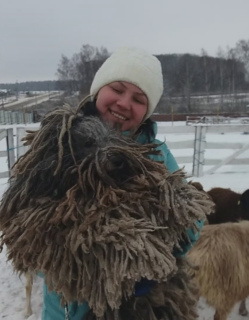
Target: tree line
185,75
27,86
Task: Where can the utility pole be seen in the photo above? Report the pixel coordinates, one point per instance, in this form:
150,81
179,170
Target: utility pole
17,90
2,102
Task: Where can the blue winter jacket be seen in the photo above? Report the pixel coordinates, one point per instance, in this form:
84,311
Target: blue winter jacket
52,310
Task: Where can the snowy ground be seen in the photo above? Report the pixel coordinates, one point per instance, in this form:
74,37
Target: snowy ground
12,292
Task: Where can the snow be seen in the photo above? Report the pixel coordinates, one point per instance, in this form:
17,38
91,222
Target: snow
12,293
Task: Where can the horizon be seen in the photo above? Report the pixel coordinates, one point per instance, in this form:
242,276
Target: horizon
41,80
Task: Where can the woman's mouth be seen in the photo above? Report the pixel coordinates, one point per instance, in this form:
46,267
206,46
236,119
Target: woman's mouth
117,115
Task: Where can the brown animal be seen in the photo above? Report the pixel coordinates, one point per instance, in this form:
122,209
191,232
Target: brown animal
229,205
221,256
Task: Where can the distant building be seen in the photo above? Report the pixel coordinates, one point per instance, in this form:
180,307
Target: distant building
4,91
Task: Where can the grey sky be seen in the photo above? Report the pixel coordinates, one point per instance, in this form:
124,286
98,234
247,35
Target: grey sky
34,33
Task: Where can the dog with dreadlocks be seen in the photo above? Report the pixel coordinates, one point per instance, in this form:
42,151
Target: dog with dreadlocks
88,208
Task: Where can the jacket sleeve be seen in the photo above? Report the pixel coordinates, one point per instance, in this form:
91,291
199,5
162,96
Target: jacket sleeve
166,156
52,309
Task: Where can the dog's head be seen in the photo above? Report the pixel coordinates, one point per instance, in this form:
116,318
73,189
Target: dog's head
69,144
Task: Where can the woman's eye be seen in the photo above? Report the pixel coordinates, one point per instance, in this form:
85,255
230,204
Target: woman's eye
116,90
139,101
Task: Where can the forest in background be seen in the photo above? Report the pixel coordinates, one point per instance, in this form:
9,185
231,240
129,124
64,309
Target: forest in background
190,81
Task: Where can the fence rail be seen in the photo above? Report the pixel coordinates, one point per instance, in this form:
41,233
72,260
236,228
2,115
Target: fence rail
196,145
199,145
207,119
9,152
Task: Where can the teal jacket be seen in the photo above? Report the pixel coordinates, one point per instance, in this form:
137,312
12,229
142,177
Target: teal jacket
52,309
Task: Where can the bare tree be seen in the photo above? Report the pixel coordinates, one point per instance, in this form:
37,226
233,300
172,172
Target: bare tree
236,73
77,73
91,58
207,69
221,67
187,77
66,73
242,54
231,65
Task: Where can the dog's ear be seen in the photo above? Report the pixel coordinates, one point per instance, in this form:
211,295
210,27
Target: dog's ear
89,109
197,185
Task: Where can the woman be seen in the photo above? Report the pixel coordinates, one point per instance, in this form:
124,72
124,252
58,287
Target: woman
125,92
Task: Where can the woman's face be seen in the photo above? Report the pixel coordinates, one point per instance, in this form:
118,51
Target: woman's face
122,103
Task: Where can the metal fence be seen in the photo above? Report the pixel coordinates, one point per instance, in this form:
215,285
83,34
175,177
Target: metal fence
16,117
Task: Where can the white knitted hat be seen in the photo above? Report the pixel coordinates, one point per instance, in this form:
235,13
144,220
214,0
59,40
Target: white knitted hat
135,66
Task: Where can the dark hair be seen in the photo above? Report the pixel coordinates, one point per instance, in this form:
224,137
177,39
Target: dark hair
147,127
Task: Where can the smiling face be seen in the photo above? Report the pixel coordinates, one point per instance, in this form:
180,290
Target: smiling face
122,103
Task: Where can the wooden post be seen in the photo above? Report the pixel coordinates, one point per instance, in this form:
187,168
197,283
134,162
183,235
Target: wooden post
24,115
172,115
199,150
218,114
21,149
10,148
1,116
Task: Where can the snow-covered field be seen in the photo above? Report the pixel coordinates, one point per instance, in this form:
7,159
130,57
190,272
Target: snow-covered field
12,292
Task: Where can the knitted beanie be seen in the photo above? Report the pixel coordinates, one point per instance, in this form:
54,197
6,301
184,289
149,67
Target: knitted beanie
135,66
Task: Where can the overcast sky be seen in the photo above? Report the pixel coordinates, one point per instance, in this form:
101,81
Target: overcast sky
35,33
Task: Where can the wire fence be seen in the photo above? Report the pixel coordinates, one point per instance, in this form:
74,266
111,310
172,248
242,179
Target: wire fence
16,117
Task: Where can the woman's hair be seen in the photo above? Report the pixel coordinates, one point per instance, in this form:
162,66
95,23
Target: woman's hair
89,108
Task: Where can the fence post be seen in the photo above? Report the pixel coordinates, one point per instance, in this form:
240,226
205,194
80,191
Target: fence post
24,115
199,150
10,148
21,149
1,116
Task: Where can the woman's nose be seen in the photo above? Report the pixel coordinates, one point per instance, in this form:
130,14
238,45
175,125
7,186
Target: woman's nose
124,101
